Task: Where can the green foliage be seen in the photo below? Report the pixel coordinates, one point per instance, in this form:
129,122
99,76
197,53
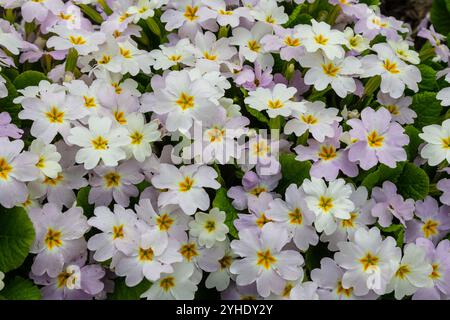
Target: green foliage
381,174
428,109
29,78
16,237
428,82
414,141
82,201
222,202
440,16
413,182
293,171
123,292
21,289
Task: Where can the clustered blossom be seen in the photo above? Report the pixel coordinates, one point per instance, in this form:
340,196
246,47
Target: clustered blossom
226,145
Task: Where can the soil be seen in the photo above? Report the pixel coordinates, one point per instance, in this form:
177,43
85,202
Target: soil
412,11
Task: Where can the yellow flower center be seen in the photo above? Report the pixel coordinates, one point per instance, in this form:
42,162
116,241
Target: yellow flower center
216,134
402,271
225,262
379,22
191,13
261,148
287,290
330,69
391,67
136,138
320,39
164,222
327,153
254,45
77,40
89,102
185,101
430,228
309,119
167,283
100,143
209,56
262,220
277,104
265,259
446,143
54,181
112,180
225,12
186,184
124,17
375,140
292,42
295,217
120,117
258,190
325,203
118,232
117,87
349,223
145,254
175,57
126,53
393,109
210,226
63,277
55,115
53,239
270,19
340,290
189,251
5,169
41,163
369,261
435,274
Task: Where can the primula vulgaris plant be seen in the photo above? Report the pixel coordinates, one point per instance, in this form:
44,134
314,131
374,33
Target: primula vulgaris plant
185,149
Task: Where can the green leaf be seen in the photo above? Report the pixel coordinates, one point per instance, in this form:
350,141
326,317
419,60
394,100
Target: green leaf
29,78
123,292
21,289
292,171
83,201
414,141
222,202
413,183
7,103
16,237
397,231
91,13
257,114
382,174
440,16
428,82
428,109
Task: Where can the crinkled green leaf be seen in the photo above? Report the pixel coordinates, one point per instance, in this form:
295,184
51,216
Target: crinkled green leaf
16,237
21,289
293,171
440,16
428,109
428,82
83,201
413,182
29,78
381,174
414,141
222,202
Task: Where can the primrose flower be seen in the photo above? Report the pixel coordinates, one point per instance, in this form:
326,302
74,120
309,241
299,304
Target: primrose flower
175,285
48,158
8,129
320,37
377,141
337,73
399,108
389,204
185,186
285,41
328,202
433,221
437,138
277,101
100,142
317,118
269,12
369,261
264,262
40,10
83,41
218,10
141,135
59,237
412,273
16,168
395,74
181,53
118,228
209,227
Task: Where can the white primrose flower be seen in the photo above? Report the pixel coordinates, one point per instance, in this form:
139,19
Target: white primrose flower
328,202
369,261
277,101
338,73
100,142
168,56
317,118
269,12
185,186
412,274
209,227
81,40
437,138
320,36
49,158
141,135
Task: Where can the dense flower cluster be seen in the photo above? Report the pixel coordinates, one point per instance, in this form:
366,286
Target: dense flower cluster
244,149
